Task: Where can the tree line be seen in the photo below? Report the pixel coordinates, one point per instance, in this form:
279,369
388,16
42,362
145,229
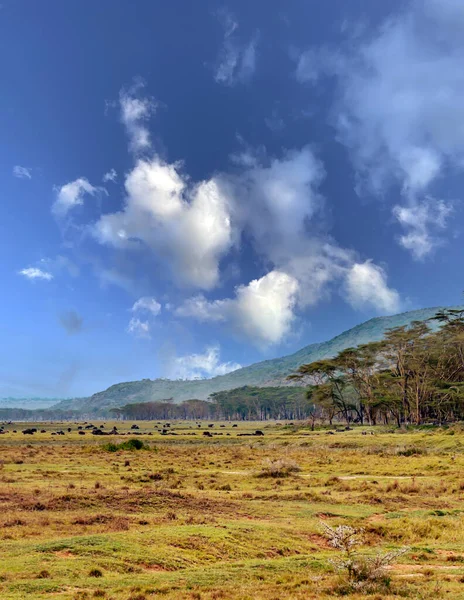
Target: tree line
245,403
414,375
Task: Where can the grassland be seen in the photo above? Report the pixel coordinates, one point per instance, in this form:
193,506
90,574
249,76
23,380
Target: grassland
190,517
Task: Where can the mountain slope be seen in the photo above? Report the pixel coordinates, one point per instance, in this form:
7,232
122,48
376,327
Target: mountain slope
268,372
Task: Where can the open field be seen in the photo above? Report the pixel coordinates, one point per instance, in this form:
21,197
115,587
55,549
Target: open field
190,517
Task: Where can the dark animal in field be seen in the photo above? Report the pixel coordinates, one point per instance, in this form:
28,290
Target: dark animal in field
79,428
89,426
69,429
211,425
81,432
222,426
207,433
259,432
135,426
330,433
98,432
28,431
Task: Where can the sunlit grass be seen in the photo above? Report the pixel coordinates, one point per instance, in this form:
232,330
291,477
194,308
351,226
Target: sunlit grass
191,517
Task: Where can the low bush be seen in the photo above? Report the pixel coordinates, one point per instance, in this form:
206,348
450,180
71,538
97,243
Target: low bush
132,444
359,572
279,468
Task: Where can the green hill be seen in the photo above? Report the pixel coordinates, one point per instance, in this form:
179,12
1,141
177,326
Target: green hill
265,373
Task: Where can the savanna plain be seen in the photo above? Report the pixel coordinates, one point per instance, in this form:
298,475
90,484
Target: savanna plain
228,515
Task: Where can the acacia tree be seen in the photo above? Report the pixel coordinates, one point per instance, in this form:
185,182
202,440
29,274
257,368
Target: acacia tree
414,374
329,391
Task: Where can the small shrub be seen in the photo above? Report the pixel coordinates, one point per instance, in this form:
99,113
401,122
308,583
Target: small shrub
43,575
359,572
279,468
410,451
132,444
95,573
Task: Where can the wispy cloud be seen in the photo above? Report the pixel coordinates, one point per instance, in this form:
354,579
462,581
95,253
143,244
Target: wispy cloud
22,172
136,109
138,328
147,304
72,194
111,175
237,59
34,273
399,100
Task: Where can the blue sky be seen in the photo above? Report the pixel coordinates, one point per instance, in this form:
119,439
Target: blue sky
189,187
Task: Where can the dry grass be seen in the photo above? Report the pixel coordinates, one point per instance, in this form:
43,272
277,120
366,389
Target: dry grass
189,518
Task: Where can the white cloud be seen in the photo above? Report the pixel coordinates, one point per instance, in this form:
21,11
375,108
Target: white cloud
135,112
262,311
237,60
419,220
34,273
264,307
110,176
277,201
22,172
366,287
199,366
189,226
147,304
198,307
400,111
138,328
72,194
